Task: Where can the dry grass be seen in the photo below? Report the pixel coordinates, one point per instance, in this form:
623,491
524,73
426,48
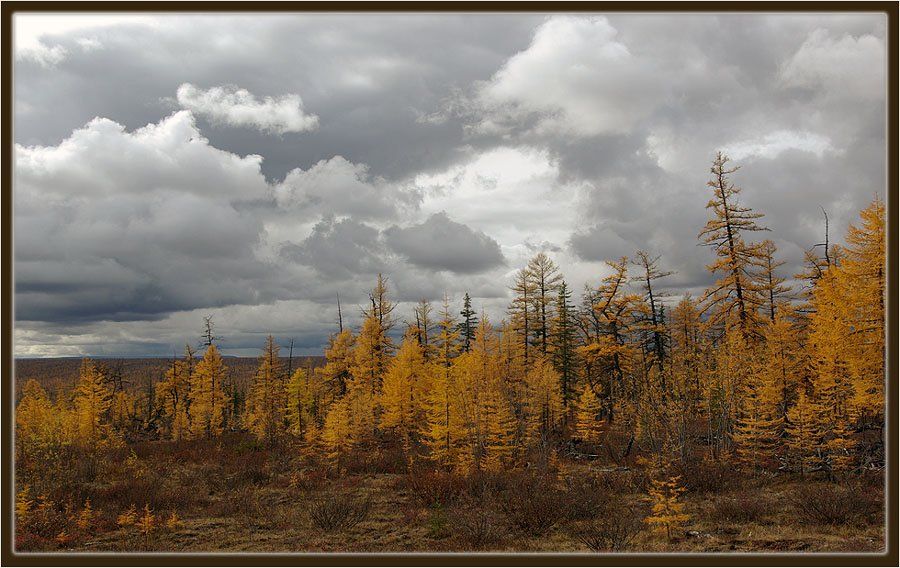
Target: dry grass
233,495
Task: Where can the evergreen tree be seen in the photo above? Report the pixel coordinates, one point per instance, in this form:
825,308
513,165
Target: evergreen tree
564,336
468,324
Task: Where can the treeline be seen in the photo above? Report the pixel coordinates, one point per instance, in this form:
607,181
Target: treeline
752,371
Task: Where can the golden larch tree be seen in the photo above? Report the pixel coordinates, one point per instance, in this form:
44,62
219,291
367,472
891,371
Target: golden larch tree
735,292
264,415
208,394
92,402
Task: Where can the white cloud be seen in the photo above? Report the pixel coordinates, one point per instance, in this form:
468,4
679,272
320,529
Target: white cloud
239,107
337,186
774,143
33,33
576,77
839,66
102,159
112,224
513,194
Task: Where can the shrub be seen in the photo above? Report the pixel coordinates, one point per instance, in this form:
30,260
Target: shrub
476,524
158,492
435,487
252,470
740,509
614,529
308,479
706,476
438,523
241,502
532,503
483,485
585,497
833,504
339,511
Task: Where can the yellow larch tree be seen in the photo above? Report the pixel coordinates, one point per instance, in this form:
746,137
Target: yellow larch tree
735,293
545,281
445,416
300,405
499,430
775,294
687,358
667,511
544,409
266,402
404,390
862,279
335,373
733,363
208,394
123,412
588,426
609,355
827,344
40,426
367,372
804,439
173,396
91,403
336,433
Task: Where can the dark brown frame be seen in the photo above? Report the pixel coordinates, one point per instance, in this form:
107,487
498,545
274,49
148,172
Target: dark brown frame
10,558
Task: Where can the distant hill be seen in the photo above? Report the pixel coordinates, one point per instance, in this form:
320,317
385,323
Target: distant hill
60,374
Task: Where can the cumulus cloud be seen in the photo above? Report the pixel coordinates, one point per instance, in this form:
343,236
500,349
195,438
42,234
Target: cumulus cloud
239,107
112,224
442,244
103,158
576,77
843,65
339,187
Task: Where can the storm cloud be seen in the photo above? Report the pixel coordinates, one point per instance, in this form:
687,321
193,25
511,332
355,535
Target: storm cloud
442,244
255,166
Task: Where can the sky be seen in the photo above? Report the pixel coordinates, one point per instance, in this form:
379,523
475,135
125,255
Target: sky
253,167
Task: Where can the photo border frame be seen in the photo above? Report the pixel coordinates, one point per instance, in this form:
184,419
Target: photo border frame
889,557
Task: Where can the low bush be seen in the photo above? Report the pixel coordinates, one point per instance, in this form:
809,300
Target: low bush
252,470
158,492
740,508
837,504
585,497
339,511
435,487
707,476
613,530
532,503
476,524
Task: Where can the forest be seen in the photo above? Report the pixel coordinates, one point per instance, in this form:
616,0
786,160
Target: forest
623,418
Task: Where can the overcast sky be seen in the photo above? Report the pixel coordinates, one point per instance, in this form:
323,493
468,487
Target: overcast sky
252,167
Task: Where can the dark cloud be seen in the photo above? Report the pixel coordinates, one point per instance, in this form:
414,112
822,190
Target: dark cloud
442,244
340,249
